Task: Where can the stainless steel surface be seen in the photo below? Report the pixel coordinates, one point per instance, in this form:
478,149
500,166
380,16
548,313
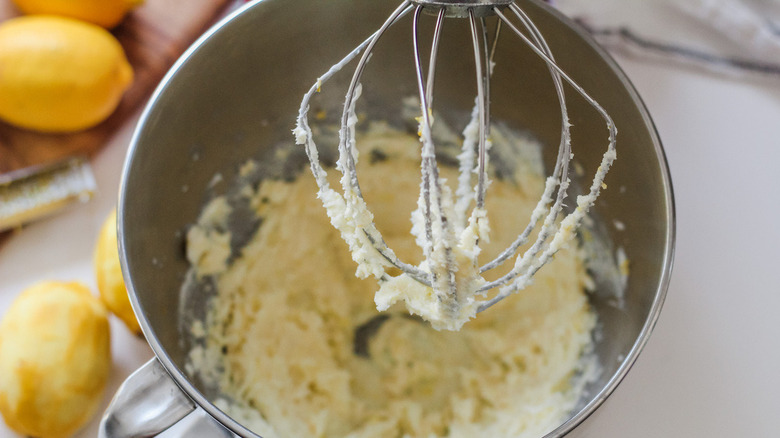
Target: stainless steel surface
235,94
146,404
149,403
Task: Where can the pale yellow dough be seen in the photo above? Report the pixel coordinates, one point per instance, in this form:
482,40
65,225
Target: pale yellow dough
279,335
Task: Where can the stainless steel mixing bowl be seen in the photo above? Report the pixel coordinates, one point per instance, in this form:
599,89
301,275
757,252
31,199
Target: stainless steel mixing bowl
235,94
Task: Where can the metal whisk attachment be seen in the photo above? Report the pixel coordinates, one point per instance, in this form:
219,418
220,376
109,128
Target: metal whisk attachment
449,233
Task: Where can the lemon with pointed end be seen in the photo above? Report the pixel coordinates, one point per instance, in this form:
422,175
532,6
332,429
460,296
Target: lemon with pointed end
108,272
59,74
55,358
106,13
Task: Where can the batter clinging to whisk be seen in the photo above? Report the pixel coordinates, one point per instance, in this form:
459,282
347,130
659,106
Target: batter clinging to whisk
448,287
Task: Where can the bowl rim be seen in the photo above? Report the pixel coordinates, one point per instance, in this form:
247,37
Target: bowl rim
667,261
183,382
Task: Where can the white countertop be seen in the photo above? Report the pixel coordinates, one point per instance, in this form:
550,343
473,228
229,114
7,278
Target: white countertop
709,369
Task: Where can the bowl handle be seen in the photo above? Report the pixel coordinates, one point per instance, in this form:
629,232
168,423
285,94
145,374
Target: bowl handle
149,403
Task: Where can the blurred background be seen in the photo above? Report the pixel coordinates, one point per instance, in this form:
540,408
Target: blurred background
709,72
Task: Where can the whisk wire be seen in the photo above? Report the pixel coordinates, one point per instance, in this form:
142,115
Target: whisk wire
527,265
372,234
450,247
557,179
483,100
480,117
431,189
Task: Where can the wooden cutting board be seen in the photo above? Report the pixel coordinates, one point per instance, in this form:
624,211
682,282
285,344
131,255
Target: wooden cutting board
153,36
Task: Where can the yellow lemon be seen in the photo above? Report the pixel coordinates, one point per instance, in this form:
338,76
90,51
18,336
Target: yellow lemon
108,271
58,74
106,13
55,358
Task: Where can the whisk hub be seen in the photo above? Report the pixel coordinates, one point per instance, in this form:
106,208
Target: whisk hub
461,8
